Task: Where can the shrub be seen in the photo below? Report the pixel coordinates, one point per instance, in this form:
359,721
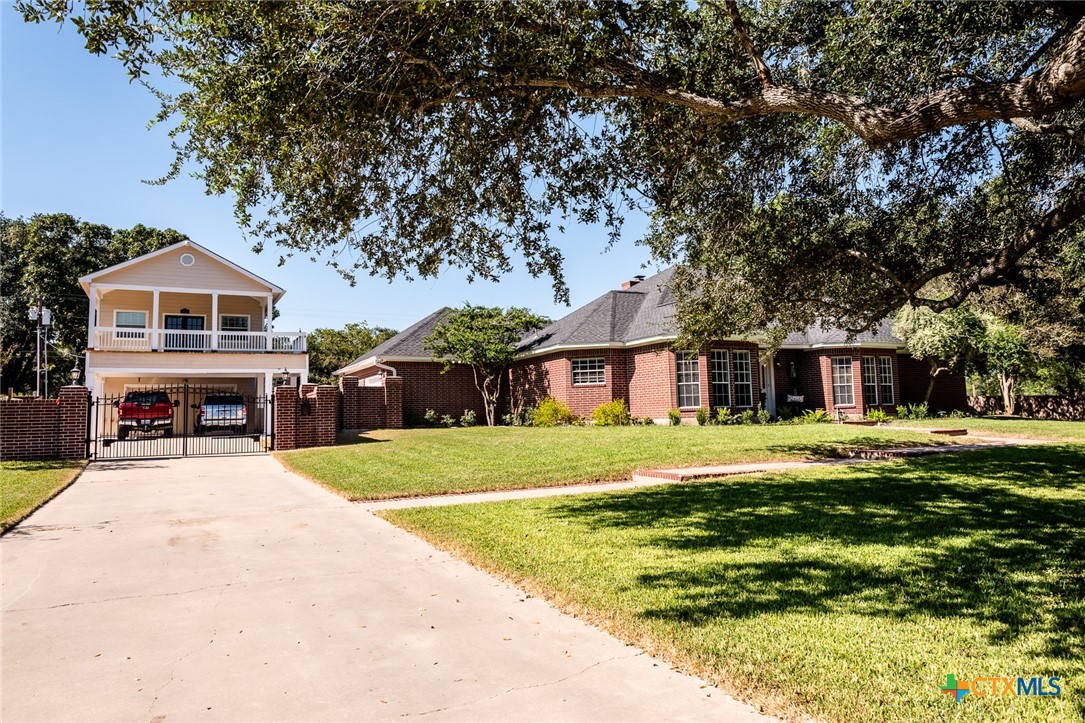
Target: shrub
913,411
703,416
764,417
448,420
431,417
748,417
469,418
723,415
674,416
611,414
958,414
784,413
519,418
553,413
815,416
879,415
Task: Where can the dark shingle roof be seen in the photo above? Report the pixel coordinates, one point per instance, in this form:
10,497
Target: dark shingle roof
645,311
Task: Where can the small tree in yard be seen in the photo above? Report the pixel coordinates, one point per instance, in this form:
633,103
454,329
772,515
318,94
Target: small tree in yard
949,341
1009,356
484,338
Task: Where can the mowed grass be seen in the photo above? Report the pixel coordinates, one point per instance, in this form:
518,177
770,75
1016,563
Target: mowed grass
995,427
413,462
845,593
24,486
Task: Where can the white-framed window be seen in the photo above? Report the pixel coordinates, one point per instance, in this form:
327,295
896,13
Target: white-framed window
885,365
870,381
843,391
688,371
719,390
129,320
233,322
591,371
743,372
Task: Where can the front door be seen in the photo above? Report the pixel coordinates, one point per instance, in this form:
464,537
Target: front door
184,333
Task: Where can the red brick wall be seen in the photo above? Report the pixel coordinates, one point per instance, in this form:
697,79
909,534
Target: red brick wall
45,428
371,407
949,389
306,417
425,387
552,375
651,381
653,378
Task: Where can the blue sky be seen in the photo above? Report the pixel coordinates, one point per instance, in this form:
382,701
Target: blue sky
75,140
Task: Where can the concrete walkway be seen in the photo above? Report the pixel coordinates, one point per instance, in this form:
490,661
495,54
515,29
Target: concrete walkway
226,589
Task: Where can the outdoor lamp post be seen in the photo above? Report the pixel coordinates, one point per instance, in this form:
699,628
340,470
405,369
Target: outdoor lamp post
76,373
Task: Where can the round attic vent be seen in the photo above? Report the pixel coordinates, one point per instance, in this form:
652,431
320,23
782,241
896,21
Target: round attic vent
187,260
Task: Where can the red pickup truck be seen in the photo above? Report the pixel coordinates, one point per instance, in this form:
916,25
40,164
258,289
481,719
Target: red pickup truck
145,412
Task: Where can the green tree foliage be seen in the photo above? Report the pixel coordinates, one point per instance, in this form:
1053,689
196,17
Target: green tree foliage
950,341
43,257
332,349
484,338
802,159
1008,356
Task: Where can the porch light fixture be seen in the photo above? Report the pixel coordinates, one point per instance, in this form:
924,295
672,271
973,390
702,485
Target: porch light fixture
284,377
76,373
183,311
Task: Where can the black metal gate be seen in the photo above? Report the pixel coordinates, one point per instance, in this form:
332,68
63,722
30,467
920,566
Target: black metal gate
179,420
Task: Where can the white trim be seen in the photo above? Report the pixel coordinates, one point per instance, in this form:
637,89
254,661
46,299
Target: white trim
206,291
192,371
856,345
191,244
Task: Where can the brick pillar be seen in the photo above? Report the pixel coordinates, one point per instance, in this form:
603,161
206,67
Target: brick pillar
351,403
325,415
286,418
393,402
71,438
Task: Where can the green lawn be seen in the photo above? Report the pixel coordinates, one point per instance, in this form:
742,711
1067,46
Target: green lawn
406,463
24,486
845,593
993,426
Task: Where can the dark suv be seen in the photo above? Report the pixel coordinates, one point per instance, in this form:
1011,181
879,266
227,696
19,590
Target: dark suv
144,412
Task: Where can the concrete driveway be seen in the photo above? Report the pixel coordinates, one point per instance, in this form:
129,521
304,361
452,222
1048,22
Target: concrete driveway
229,589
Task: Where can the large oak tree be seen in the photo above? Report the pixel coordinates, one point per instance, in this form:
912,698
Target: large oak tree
802,159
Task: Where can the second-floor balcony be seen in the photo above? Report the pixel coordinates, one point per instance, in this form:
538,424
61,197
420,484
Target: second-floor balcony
110,338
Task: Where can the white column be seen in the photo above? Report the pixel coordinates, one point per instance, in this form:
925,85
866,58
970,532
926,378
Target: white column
214,321
154,320
92,320
769,383
270,316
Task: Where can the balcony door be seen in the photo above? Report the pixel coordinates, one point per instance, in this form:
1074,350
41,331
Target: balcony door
185,332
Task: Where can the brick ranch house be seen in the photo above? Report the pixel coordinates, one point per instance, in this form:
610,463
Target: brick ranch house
619,346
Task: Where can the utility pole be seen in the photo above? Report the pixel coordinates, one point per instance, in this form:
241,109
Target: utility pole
35,315
43,317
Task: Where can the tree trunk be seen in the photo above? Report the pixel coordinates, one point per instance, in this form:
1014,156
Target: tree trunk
1009,400
935,371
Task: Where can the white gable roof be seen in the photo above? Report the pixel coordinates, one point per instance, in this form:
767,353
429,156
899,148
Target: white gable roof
85,281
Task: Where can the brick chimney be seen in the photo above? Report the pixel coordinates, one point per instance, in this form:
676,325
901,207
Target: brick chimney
626,285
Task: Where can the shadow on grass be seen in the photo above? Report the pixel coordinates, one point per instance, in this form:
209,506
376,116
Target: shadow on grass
831,449
346,439
997,536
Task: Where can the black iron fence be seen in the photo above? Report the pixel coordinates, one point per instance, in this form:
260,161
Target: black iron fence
179,420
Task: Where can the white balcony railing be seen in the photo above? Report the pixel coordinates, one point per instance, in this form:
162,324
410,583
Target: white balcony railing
121,339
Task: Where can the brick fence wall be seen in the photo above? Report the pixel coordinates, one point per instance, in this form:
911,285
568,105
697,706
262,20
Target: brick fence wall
311,415
45,428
